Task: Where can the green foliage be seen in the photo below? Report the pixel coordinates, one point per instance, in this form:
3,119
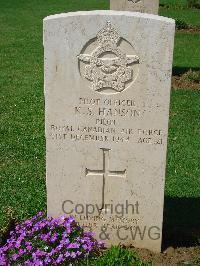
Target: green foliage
181,24
193,3
116,256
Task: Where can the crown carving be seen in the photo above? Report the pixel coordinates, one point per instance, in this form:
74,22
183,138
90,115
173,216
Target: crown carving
108,35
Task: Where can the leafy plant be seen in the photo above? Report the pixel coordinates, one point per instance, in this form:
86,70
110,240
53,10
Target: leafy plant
47,241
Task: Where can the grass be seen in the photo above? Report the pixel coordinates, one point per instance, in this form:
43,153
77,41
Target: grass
178,9
186,50
116,256
179,3
190,16
184,134
22,109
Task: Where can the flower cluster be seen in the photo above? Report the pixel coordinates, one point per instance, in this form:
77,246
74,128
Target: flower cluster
47,241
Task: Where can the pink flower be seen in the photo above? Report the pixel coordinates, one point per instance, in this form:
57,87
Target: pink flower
29,248
46,241
15,256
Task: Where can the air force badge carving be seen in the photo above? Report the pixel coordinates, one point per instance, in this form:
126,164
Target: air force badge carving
108,68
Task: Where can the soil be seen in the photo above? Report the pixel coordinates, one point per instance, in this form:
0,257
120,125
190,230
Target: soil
180,82
191,30
171,257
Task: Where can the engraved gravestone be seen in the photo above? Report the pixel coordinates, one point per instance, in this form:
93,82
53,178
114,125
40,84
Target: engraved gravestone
143,6
107,92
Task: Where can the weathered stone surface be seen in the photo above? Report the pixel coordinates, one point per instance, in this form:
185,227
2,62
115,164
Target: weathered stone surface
107,93
143,6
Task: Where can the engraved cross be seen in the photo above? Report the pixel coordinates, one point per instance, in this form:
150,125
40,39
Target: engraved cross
105,173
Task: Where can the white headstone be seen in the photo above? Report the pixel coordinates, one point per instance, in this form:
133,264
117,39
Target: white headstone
107,93
143,6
